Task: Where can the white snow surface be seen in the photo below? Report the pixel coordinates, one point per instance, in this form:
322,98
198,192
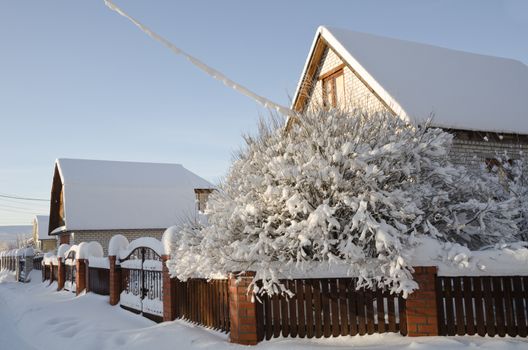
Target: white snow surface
116,244
170,238
463,90
453,259
42,222
63,248
100,194
47,319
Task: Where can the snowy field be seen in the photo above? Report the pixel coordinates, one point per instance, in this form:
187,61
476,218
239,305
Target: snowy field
35,316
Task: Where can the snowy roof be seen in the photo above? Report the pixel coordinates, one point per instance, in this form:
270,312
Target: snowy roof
101,194
463,90
42,222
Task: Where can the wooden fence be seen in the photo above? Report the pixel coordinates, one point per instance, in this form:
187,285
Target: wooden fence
37,263
329,307
99,280
483,305
205,303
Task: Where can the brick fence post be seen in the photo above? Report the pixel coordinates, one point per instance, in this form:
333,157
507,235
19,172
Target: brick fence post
80,279
115,281
421,308
169,292
242,311
61,272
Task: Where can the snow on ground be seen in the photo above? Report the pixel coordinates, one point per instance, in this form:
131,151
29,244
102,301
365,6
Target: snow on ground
36,316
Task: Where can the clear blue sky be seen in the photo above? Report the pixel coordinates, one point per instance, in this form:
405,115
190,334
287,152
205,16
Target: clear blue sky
77,80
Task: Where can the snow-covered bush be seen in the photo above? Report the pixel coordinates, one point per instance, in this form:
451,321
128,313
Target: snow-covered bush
341,188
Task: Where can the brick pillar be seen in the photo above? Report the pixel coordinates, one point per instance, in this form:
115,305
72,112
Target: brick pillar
242,311
169,292
115,281
421,310
80,279
61,272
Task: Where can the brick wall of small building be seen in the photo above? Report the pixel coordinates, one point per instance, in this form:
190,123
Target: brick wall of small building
473,154
103,236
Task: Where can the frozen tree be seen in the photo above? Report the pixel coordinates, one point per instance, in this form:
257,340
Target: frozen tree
343,189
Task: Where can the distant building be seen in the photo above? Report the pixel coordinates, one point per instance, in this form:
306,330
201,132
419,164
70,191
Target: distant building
482,100
92,200
41,239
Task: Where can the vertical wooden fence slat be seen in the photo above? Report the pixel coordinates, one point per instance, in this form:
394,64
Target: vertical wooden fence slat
391,312
468,305
440,298
352,307
459,308
343,308
499,307
360,309
276,315
292,303
316,295
369,300
299,286
488,301
479,306
285,321
519,306
450,316
509,317
325,295
334,307
310,308
402,308
380,305
268,319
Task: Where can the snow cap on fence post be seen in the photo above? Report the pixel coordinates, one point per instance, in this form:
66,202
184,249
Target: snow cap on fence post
117,243
63,248
170,239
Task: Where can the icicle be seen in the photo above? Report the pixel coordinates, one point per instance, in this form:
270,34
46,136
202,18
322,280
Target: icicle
204,67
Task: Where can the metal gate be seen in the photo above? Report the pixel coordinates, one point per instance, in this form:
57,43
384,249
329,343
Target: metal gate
22,269
70,268
142,283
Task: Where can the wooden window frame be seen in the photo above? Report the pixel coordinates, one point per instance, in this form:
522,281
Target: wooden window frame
330,78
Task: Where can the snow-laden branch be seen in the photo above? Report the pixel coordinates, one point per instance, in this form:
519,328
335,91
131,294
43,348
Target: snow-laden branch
285,111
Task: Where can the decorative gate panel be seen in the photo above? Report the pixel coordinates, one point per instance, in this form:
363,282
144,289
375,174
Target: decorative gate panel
142,283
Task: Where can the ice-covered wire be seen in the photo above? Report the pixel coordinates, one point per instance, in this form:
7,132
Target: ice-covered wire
204,67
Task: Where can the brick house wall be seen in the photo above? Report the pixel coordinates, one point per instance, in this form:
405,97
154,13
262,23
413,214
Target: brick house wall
103,236
48,245
471,151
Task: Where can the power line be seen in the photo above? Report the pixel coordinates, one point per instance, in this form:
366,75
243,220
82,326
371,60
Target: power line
23,198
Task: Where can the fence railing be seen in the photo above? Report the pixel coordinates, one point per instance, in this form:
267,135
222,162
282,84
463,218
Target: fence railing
483,305
99,280
37,263
329,307
204,302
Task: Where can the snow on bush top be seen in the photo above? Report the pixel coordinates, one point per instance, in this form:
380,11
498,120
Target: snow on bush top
342,187
117,243
88,249
63,248
149,242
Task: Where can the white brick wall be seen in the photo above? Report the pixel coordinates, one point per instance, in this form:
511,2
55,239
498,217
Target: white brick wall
356,93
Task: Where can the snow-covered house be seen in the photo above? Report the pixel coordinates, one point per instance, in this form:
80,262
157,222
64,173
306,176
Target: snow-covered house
43,241
482,100
92,200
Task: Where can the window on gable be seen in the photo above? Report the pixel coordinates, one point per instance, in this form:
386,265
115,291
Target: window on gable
334,89
202,195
